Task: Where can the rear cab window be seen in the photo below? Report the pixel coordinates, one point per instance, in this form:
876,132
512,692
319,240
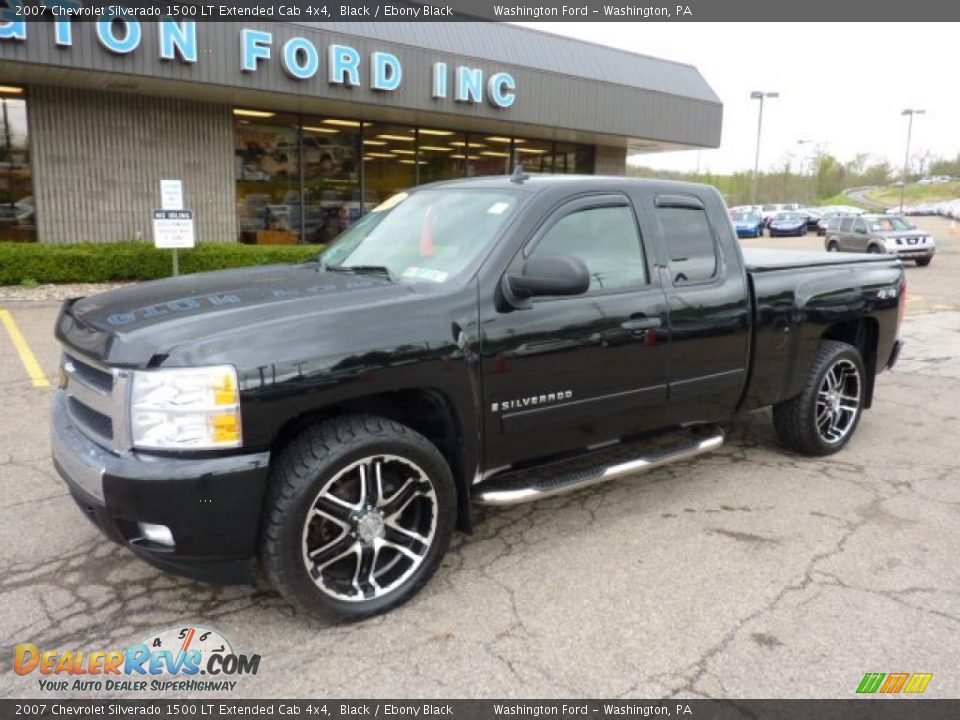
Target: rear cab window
690,243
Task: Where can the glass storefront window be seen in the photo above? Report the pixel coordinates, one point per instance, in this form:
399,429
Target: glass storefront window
442,155
570,158
492,153
18,221
267,165
305,179
535,155
331,177
389,161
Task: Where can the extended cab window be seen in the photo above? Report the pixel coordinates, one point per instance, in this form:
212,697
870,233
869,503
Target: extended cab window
606,239
690,243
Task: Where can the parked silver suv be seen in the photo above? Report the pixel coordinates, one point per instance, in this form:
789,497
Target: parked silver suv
890,234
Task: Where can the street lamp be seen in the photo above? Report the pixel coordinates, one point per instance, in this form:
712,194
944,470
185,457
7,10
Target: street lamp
906,161
759,95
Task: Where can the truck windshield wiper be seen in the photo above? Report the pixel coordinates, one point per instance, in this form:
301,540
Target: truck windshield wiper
361,270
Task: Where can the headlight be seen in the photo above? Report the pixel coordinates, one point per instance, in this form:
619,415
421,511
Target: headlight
186,408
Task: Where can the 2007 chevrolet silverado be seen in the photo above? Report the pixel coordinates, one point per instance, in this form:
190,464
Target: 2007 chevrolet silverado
494,341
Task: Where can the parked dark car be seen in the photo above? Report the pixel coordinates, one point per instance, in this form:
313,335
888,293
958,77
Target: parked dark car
813,217
789,223
747,224
827,221
491,341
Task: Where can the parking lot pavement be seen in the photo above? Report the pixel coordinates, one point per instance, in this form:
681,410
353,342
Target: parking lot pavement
745,573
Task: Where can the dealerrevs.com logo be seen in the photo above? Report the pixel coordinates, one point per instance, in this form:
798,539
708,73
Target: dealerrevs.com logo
187,659
894,683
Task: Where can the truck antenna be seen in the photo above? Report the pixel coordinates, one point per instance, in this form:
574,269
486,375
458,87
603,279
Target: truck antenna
519,176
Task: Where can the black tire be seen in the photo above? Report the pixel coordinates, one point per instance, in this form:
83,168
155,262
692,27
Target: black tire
299,482
923,262
796,420
873,249
833,247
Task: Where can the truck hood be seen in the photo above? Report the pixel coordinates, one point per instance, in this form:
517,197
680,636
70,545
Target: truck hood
131,325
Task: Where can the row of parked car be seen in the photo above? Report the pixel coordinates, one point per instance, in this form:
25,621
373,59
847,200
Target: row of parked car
778,219
844,228
946,208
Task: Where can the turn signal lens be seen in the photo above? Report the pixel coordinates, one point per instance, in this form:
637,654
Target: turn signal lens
226,392
226,428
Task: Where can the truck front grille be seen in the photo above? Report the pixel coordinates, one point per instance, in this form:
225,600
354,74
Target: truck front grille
100,379
96,400
95,422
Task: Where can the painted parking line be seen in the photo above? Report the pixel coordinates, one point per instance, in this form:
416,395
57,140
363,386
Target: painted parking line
29,360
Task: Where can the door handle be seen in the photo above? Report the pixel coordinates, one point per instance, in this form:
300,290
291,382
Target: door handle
642,324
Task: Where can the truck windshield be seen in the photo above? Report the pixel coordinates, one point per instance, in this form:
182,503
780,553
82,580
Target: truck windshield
428,235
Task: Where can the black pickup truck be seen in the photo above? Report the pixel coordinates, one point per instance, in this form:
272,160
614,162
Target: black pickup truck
492,341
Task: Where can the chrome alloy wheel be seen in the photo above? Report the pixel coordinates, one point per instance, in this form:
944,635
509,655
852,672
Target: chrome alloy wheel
369,528
838,401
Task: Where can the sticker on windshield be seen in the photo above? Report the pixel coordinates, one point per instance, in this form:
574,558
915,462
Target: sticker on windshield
498,208
419,273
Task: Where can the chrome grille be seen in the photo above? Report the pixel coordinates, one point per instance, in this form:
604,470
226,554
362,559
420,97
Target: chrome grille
99,424
97,399
100,379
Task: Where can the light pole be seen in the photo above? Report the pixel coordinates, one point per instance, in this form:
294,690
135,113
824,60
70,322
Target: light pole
759,95
906,160
806,158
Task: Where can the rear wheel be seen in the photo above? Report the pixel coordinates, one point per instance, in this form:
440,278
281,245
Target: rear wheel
823,417
359,515
833,247
923,262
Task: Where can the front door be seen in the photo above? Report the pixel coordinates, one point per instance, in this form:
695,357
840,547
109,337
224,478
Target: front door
575,372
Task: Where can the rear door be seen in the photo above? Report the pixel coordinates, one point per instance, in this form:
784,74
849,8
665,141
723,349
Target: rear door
844,234
703,277
860,237
575,372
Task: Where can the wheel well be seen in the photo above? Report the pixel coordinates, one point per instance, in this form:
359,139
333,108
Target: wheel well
429,412
864,335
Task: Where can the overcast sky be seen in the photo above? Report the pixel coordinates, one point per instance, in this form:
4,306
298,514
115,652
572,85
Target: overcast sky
841,85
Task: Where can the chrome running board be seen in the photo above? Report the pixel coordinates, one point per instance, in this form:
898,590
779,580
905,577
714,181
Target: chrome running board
560,478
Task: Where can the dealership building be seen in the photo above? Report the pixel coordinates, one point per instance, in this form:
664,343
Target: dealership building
287,132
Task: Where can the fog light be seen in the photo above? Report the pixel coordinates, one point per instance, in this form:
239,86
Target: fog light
159,534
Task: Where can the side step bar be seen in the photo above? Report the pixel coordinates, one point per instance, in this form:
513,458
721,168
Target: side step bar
514,491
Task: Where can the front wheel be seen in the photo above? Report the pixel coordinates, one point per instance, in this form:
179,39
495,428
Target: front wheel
923,262
359,514
833,247
823,417
873,250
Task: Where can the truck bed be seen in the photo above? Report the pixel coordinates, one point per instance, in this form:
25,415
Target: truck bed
758,260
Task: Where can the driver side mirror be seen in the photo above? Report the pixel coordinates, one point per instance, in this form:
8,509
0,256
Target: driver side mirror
545,276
